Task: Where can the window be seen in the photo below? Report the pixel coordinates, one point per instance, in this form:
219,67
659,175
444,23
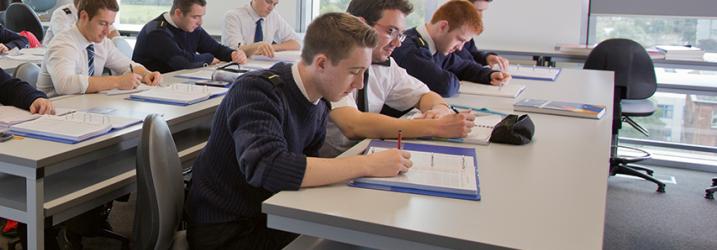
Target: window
666,111
422,9
657,30
140,12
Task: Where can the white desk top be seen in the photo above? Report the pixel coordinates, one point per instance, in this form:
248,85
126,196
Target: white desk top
549,194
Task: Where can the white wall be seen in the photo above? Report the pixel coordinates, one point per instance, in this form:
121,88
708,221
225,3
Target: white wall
532,25
214,18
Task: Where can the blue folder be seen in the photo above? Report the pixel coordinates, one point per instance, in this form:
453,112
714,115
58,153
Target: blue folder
420,189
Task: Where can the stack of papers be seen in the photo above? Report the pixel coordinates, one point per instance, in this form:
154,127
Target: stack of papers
10,115
72,127
509,90
534,72
437,170
560,108
179,94
681,52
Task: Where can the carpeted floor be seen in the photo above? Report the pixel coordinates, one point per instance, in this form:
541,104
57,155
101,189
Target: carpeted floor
637,216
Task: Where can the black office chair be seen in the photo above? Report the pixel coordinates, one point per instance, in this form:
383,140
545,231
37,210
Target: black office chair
19,17
709,192
635,81
160,189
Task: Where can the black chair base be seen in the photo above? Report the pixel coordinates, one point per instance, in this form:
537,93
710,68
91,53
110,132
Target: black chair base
709,192
632,170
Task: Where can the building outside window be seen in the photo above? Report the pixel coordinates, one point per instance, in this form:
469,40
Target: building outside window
139,12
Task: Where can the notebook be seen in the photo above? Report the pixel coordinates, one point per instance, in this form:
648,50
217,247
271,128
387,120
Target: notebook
534,72
179,94
510,90
480,134
437,170
204,74
140,88
10,115
73,127
560,108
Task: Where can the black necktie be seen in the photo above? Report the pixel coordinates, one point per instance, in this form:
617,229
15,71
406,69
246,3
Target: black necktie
362,99
259,32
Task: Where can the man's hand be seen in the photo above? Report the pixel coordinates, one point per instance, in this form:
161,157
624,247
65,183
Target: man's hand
42,106
388,163
239,57
264,48
500,61
500,78
152,78
3,48
129,81
455,125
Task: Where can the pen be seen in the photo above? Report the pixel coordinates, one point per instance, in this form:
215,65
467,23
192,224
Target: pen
130,68
454,109
398,143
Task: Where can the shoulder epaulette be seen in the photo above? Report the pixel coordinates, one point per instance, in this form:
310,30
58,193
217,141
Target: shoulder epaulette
422,42
162,24
67,10
273,78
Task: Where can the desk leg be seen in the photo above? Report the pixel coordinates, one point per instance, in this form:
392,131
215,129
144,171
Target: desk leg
35,213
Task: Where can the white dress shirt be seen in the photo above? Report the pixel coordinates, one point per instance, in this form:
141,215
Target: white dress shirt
65,66
390,85
240,26
300,83
63,18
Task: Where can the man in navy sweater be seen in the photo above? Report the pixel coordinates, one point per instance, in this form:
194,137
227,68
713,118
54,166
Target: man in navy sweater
175,41
14,92
10,40
429,51
471,52
267,133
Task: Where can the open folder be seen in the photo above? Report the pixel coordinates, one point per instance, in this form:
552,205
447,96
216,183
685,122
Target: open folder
437,170
179,94
72,128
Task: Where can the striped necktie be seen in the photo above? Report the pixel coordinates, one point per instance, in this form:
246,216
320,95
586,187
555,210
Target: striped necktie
91,60
259,32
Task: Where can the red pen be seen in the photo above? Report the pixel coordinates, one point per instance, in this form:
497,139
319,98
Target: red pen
398,144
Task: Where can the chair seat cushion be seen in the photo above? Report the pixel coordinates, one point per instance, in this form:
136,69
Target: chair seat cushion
643,107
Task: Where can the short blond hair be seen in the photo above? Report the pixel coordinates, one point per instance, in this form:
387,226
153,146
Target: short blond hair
335,35
459,13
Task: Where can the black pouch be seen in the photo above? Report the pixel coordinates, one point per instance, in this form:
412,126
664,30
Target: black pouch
513,129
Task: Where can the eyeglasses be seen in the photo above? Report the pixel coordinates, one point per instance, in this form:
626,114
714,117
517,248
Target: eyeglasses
393,32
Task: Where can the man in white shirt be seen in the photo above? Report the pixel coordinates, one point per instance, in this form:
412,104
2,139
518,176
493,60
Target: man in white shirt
387,84
63,18
76,58
257,30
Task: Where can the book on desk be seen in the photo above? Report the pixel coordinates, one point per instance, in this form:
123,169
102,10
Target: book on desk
574,109
480,134
72,128
509,90
179,94
534,72
437,170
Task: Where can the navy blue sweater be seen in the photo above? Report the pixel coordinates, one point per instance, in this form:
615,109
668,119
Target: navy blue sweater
14,92
260,138
11,39
164,48
471,52
442,73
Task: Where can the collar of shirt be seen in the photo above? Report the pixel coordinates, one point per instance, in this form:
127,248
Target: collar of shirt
423,31
81,40
300,83
252,13
169,19
73,8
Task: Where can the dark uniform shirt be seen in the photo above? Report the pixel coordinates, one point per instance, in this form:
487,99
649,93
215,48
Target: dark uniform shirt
471,52
164,48
442,73
11,39
14,92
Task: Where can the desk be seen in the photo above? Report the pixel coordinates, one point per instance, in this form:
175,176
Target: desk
549,194
43,183
9,64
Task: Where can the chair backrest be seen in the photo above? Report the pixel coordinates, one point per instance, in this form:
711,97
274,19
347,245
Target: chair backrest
123,46
28,72
19,17
160,186
41,5
634,70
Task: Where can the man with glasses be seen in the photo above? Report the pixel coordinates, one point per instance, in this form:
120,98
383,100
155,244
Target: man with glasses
257,30
430,51
387,86
471,52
